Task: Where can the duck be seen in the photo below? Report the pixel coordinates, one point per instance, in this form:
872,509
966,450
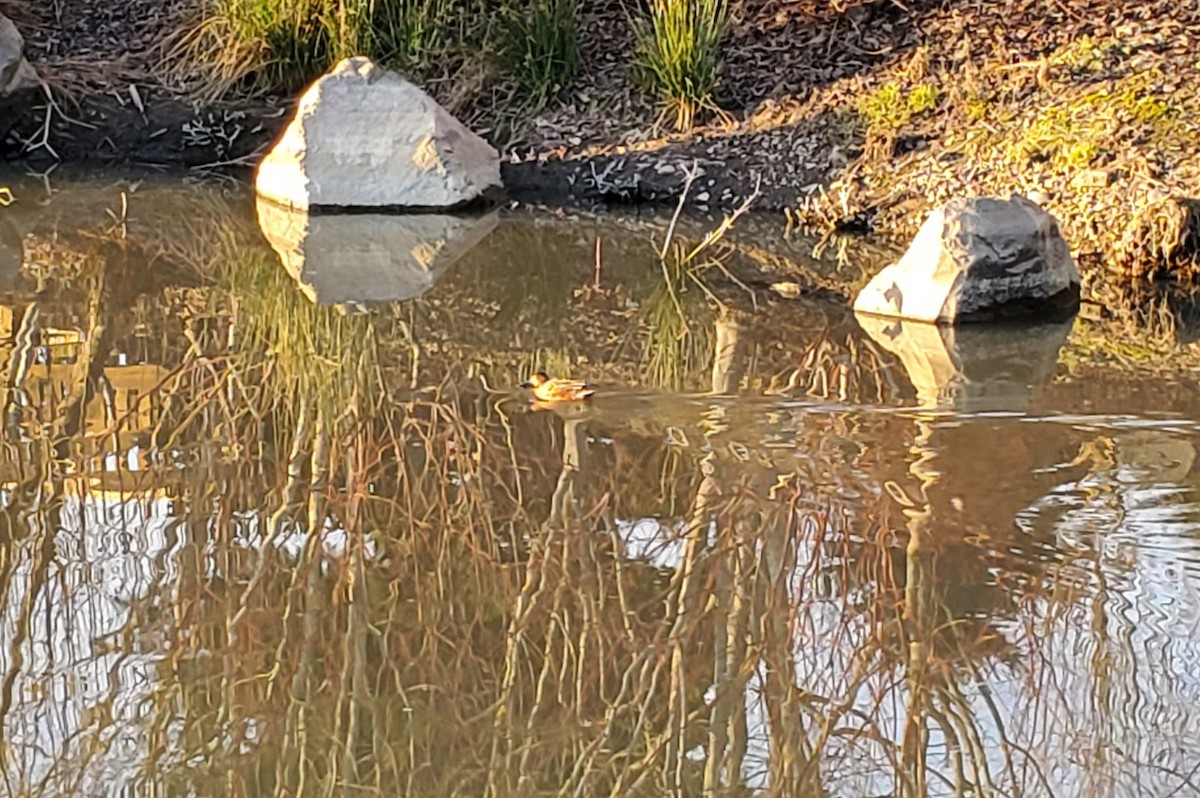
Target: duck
546,389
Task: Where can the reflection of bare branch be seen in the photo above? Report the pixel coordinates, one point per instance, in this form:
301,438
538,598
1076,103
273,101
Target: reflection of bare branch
564,502
725,597
728,357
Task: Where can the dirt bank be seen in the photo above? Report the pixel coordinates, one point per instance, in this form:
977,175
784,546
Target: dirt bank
862,115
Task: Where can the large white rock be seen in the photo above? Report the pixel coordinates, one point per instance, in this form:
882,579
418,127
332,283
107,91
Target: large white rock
365,137
17,78
364,259
15,72
975,260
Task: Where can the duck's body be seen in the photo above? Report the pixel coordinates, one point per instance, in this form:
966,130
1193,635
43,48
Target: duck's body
546,389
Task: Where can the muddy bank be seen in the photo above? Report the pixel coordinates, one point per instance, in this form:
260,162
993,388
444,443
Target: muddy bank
110,130
162,132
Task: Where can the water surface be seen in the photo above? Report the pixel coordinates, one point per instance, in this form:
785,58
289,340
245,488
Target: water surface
277,520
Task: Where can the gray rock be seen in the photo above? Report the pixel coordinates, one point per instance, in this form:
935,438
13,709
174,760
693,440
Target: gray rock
365,259
18,80
365,137
15,71
977,260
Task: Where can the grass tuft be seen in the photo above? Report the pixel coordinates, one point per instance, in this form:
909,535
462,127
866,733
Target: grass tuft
403,31
923,98
884,107
516,54
267,45
678,54
540,46
889,108
1162,238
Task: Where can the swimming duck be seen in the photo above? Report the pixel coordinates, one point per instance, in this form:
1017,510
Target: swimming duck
557,390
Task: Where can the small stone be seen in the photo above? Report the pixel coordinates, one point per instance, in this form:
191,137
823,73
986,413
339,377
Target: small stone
1092,178
15,72
1091,311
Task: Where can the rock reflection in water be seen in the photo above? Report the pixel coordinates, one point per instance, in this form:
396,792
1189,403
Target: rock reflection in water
972,367
360,259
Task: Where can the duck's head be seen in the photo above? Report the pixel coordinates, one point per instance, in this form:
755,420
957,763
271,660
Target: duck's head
538,378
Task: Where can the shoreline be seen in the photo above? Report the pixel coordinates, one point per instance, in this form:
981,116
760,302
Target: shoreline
858,121
764,264
168,134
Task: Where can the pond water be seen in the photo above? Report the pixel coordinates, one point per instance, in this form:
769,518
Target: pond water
276,518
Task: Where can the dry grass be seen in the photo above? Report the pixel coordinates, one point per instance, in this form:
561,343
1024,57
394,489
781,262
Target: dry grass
1162,239
20,12
1100,132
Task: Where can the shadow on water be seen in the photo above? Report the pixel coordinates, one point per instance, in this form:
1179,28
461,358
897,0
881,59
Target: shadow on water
255,541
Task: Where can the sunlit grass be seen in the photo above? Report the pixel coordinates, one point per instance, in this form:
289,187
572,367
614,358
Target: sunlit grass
890,107
283,44
527,51
678,54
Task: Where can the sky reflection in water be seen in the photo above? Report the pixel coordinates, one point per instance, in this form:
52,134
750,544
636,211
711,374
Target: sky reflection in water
784,551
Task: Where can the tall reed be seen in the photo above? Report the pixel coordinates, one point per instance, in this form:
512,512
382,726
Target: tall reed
678,54
540,45
283,44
